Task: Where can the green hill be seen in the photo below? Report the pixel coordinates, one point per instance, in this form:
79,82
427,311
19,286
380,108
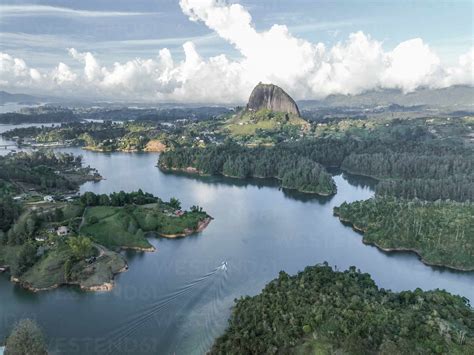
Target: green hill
321,311
248,122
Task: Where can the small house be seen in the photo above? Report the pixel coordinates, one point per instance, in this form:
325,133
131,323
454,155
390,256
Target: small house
40,239
63,230
48,198
179,213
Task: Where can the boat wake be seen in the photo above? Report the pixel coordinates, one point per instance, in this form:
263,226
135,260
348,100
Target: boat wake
119,336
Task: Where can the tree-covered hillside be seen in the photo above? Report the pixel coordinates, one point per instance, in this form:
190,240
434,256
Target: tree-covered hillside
294,171
321,311
42,170
441,232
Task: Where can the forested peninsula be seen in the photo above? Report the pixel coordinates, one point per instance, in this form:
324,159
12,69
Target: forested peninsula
321,311
441,232
233,160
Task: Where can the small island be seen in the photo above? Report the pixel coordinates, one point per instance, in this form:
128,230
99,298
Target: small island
441,232
322,311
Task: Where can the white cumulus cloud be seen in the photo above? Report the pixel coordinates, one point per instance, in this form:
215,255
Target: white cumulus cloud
15,72
62,74
304,69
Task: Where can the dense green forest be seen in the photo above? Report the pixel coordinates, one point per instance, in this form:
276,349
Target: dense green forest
118,198
43,171
447,166
230,159
47,117
441,232
406,162
457,188
321,311
9,211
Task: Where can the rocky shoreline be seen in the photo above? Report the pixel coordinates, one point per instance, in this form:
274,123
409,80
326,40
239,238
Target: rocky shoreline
98,276
149,250
105,286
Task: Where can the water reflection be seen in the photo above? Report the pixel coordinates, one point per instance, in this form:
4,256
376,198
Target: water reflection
259,183
360,181
257,229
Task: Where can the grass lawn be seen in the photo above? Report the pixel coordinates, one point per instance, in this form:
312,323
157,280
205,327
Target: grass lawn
125,226
115,228
156,221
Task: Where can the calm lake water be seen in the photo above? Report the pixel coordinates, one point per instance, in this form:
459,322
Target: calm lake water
177,300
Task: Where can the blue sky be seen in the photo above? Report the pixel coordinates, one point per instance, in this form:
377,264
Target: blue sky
167,49
40,35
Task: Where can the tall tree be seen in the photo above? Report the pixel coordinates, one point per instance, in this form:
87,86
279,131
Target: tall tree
26,339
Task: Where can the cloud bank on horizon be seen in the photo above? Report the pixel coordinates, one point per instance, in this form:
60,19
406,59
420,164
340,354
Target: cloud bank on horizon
304,69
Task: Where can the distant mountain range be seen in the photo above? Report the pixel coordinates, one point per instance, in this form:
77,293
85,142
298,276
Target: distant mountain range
452,98
455,98
6,97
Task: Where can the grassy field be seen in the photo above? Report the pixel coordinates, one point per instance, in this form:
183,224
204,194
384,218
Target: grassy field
153,220
126,226
248,123
113,227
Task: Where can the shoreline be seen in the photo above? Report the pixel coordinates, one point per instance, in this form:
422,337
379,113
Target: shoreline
187,232
192,170
148,250
149,148
399,249
105,286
